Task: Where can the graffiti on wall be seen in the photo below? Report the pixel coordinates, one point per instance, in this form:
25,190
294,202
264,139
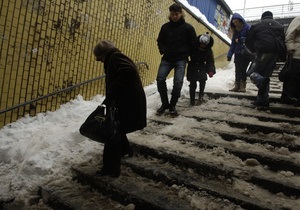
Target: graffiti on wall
221,19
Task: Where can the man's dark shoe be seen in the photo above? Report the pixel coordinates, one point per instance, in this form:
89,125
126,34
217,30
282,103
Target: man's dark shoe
102,172
192,102
173,111
261,103
111,172
162,109
201,100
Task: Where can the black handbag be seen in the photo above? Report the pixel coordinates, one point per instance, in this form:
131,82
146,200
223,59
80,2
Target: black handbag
102,125
247,53
284,73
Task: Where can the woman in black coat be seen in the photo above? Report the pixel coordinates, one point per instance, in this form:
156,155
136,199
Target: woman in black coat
124,90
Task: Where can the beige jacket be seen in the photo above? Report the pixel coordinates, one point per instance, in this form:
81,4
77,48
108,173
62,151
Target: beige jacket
292,37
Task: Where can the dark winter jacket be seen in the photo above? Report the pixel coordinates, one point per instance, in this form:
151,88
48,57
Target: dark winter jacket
263,35
201,60
236,48
124,88
175,40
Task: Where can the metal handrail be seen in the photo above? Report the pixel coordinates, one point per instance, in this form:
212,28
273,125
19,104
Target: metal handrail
279,11
50,94
62,90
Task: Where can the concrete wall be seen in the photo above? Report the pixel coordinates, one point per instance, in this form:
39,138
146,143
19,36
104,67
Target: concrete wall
47,45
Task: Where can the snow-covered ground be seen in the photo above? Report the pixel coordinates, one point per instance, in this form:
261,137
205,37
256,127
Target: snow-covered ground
38,150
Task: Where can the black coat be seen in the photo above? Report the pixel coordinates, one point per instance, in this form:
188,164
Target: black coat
262,36
124,88
175,40
201,62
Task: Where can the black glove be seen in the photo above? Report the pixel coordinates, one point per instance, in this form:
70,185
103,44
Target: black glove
228,58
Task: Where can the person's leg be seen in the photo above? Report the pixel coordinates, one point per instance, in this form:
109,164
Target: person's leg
262,83
243,75
116,161
202,84
286,93
163,71
105,161
236,86
193,86
242,68
294,83
286,85
295,79
177,84
125,146
261,70
111,160
263,92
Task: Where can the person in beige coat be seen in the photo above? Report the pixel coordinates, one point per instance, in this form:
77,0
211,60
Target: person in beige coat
291,87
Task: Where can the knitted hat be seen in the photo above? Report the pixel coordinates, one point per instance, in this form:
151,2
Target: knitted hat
103,47
266,14
204,38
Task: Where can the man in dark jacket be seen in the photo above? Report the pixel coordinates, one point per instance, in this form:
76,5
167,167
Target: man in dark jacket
239,27
174,41
266,39
202,63
124,90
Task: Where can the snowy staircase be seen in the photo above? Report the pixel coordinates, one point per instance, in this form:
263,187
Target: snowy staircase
159,177
243,157
168,180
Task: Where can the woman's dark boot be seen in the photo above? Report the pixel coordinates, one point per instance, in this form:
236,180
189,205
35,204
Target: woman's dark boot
192,96
111,160
201,91
242,86
172,108
236,87
125,146
165,103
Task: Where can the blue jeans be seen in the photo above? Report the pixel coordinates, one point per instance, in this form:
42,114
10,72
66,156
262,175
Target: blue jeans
263,89
164,69
260,72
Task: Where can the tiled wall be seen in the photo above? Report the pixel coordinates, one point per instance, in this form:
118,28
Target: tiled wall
46,46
